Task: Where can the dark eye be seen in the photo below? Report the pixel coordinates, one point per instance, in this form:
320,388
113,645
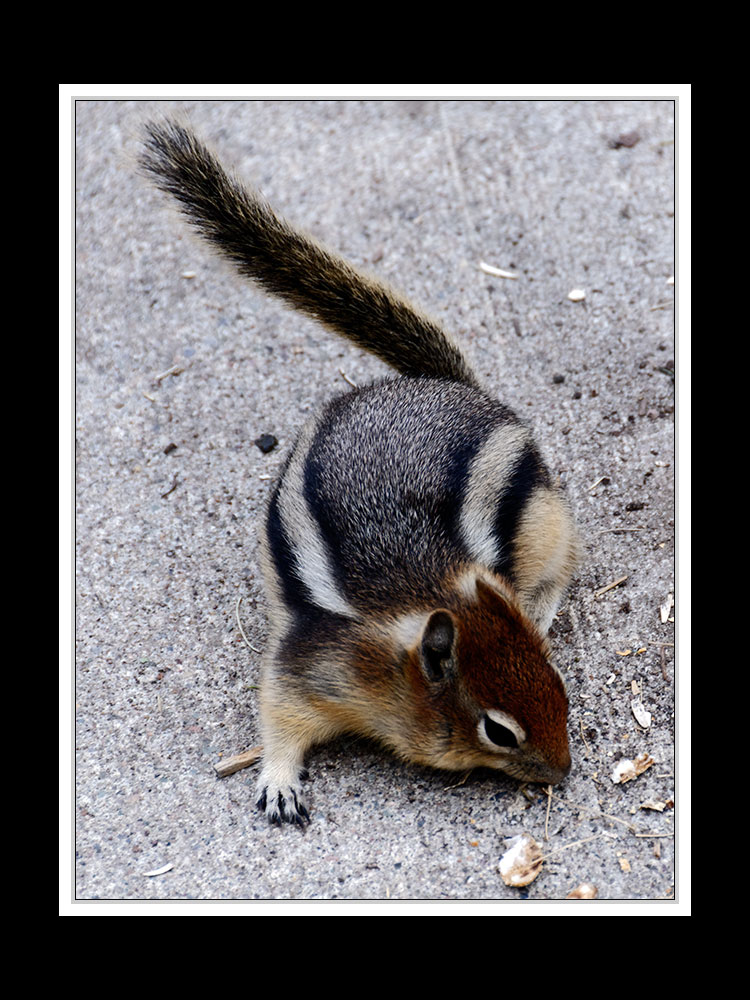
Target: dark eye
501,736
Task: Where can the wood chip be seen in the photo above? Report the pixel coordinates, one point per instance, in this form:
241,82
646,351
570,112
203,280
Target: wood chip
496,272
240,760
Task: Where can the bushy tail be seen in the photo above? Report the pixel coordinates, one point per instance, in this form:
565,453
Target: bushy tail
290,264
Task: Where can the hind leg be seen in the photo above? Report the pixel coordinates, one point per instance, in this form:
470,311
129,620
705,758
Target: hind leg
545,556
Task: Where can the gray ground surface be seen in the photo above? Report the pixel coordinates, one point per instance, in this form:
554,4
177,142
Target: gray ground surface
170,487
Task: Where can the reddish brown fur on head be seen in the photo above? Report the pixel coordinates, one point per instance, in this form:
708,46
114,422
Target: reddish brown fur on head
448,670
504,665
476,657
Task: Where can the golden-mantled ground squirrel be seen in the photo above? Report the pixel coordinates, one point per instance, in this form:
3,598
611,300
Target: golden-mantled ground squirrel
416,548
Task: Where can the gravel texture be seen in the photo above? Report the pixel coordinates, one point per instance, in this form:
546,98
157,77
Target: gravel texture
170,488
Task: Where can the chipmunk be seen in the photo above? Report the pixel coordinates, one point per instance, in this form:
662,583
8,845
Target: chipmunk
416,548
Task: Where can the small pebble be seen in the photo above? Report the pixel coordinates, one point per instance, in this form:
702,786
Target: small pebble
266,443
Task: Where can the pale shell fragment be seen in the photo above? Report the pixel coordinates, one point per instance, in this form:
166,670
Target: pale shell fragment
522,862
655,804
665,608
642,715
160,871
584,891
626,770
496,272
577,295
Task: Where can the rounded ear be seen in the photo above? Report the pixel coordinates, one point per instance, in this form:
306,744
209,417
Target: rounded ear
437,647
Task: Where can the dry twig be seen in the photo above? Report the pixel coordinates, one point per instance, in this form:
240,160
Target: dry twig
174,370
583,737
496,272
242,631
606,531
238,761
171,489
610,586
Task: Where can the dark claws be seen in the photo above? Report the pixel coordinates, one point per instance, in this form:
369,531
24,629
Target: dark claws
282,813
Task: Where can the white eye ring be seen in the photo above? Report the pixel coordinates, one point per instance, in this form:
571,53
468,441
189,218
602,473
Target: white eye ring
502,719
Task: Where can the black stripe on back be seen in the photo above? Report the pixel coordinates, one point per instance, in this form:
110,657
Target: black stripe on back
527,475
295,593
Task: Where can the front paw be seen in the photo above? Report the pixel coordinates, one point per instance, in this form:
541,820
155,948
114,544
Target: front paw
282,803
